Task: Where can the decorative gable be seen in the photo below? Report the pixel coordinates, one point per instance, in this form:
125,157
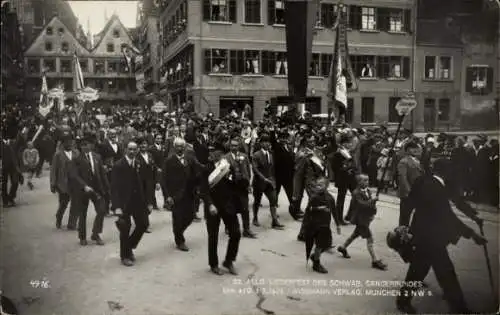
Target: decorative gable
113,36
55,40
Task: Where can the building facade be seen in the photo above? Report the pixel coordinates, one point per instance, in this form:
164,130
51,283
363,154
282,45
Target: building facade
13,80
223,55
149,45
104,67
456,68
35,14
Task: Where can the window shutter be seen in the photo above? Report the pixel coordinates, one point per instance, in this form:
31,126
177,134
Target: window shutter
489,81
407,21
207,60
355,17
469,77
270,12
406,67
206,10
232,11
382,19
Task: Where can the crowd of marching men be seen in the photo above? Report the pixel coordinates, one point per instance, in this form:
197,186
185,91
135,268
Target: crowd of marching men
119,163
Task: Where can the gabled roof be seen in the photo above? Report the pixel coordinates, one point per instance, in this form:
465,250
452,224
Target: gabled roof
107,29
72,39
437,32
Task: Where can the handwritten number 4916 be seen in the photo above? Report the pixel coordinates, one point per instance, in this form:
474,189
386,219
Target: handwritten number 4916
42,284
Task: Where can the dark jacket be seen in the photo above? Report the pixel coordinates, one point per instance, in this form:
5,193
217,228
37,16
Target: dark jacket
81,175
363,208
180,180
344,169
434,221
263,169
306,172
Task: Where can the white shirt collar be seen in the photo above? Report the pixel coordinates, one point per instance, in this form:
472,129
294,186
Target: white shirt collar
129,160
439,179
69,154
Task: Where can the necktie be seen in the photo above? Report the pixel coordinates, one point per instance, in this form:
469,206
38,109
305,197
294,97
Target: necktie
90,161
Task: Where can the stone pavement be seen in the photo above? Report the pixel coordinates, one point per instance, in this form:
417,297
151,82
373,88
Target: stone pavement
273,276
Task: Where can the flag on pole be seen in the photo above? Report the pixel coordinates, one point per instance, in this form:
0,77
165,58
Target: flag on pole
78,84
45,104
131,56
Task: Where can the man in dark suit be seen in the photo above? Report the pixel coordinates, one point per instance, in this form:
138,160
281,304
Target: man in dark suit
239,176
434,226
284,159
180,174
222,205
59,181
409,170
148,171
88,181
200,147
110,152
264,182
11,171
130,201
344,170
158,153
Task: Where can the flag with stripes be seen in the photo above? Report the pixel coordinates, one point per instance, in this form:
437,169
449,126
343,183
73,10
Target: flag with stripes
45,104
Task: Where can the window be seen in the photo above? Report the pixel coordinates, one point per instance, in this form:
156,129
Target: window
237,61
60,31
113,66
393,67
49,31
48,46
99,84
396,21
33,65
65,47
393,113
363,66
268,62
367,109
315,66
327,14
368,19
112,85
110,48
252,11
438,68
276,12
326,63
49,65
219,10
349,113
99,67
84,65
252,62
66,66
116,33
444,109
123,66
281,64
479,80
68,84
216,61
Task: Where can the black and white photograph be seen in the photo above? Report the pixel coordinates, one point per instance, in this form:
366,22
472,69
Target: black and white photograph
244,157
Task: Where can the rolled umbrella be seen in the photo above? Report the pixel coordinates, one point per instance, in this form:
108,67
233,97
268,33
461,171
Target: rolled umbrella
488,264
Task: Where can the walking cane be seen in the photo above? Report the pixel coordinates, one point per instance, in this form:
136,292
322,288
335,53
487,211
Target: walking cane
488,264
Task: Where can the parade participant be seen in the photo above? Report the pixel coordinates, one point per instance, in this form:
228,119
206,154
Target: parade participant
31,157
308,168
430,199
88,182
317,221
59,181
11,170
110,152
130,201
222,205
264,182
364,209
158,153
148,171
344,170
284,159
180,173
409,169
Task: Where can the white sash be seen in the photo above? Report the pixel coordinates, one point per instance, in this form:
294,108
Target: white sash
221,170
316,160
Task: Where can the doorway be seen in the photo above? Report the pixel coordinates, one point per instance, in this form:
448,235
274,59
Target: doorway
238,104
